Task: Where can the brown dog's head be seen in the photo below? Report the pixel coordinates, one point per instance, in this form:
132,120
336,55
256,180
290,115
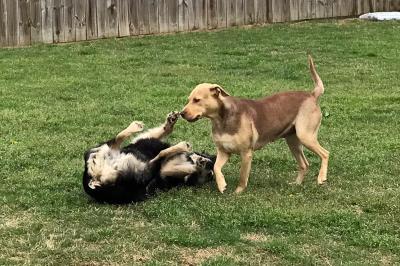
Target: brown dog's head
204,101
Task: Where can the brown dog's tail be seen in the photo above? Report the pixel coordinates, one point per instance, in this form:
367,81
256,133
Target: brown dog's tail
319,86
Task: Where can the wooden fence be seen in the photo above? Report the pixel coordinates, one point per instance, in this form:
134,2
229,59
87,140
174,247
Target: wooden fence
25,22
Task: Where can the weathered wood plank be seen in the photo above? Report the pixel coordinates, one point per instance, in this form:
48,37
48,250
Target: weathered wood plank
153,16
58,19
261,15
183,24
191,14
231,13
346,8
133,16
163,16
221,13
250,12
306,9
47,20
3,24
101,18
24,30
80,19
395,5
294,10
91,20
36,21
201,14
173,16
68,24
324,8
365,6
123,21
12,22
240,12
280,10
144,22
111,22
212,11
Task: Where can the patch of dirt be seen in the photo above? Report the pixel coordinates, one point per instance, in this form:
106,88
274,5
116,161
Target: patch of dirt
197,256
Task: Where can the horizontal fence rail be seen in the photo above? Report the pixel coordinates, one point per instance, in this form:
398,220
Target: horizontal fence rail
25,22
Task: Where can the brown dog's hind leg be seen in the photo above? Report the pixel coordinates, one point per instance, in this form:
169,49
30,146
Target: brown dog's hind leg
134,127
162,131
296,148
222,159
307,125
244,170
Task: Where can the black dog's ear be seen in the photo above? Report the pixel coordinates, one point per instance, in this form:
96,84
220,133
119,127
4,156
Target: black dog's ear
217,90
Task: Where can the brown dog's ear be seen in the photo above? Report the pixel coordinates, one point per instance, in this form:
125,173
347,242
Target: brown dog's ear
218,90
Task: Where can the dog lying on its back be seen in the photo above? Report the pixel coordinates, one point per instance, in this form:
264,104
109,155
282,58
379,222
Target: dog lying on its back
133,173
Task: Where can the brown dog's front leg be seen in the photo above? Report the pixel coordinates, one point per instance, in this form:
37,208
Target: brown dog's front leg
222,158
244,170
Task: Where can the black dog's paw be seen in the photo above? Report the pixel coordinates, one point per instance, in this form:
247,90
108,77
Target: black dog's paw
202,162
172,117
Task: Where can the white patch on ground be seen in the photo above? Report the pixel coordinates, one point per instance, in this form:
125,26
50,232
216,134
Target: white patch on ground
381,16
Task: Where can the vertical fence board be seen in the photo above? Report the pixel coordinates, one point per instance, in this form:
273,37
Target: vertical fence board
47,18
294,10
191,14
183,24
91,20
261,15
395,5
221,13
231,13
201,13
68,20
280,10
240,12
133,16
123,21
365,6
12,22
101,18
324,8
306,9
58,18
163,16
172,15
153,16
212,19
80,19
111,24
144,22
250,12
3,23
36,19
24,36
346,8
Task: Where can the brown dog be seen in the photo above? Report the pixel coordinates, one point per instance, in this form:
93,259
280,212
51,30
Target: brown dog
241,126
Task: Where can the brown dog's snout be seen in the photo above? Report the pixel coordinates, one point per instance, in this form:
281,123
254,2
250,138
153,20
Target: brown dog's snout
183,113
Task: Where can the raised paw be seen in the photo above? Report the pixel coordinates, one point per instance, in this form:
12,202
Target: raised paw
185,146
201,162
172,117
136,126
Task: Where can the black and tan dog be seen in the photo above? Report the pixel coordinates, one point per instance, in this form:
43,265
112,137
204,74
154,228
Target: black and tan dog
241,126
121,175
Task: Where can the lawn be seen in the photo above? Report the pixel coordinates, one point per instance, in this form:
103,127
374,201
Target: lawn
56,101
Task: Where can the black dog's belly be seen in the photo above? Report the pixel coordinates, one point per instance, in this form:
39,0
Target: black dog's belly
134,186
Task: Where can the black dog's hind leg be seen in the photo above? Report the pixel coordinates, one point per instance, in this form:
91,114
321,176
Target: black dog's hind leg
134,127
162,131
178,148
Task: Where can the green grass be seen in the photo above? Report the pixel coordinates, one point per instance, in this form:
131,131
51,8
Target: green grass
56,101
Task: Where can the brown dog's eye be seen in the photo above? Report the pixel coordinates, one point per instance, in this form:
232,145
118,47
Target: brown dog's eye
195,100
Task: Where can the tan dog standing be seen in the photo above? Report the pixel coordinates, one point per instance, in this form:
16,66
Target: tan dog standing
240,126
